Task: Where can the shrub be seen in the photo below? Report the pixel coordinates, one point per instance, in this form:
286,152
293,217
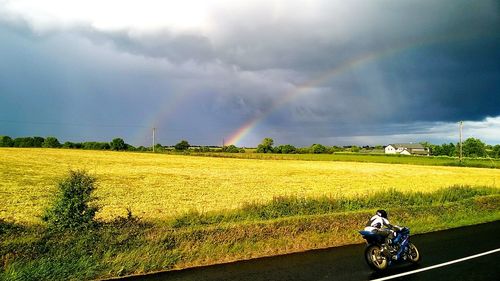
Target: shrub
72,207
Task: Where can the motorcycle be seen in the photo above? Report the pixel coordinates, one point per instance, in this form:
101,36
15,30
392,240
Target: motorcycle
379,256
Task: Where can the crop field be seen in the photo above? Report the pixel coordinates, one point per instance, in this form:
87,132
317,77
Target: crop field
159,186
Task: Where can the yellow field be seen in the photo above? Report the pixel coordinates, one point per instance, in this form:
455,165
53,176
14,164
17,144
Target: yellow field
157,186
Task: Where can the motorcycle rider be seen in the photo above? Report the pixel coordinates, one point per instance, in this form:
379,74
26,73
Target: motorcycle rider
379,224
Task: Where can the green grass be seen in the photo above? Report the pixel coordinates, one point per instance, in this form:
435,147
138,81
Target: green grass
130,246
281,207
367,158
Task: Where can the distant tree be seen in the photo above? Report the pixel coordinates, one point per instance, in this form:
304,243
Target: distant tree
6,141
24,142
231,149
444,150
38,141
495,151
118,144
204,149
69,144
426,144
355,148
89,145
334,149
51,142
75,145
473,147
106,146
266,146
182,145
159,148
303,150
318,148
285,149
434,149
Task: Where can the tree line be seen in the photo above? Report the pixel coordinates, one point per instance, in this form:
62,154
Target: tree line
267,147
117,144
53,142
471,147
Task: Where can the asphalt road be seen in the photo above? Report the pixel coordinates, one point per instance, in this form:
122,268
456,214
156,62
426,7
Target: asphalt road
347,263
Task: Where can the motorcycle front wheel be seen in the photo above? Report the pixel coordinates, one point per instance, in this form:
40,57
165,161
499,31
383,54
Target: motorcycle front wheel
414,254
374,257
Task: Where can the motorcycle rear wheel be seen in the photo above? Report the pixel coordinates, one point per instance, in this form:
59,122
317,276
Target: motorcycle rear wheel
414,254
374,258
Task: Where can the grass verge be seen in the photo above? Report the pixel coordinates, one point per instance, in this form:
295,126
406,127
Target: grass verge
130,246
364,158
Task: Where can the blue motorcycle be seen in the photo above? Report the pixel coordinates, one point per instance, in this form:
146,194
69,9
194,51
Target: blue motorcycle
379,256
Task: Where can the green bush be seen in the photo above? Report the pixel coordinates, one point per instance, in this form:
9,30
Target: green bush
72,207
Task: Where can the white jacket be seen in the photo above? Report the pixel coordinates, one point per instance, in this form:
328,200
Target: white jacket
377,222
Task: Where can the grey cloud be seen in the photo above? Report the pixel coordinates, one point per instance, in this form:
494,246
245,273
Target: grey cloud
177,48
253,60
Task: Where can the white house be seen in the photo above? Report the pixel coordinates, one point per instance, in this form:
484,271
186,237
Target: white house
406,149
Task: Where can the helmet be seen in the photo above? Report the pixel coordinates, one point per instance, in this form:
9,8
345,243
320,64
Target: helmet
382,213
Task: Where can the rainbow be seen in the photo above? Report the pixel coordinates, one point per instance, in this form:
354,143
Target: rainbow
344,67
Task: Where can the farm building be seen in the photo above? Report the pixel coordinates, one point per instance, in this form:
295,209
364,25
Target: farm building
407,149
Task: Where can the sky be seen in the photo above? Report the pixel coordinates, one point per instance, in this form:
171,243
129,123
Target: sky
300,72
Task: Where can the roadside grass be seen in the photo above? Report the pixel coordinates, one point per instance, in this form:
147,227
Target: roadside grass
128,245
159,187
281,207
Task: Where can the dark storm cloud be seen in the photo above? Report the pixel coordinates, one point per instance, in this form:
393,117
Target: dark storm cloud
444,68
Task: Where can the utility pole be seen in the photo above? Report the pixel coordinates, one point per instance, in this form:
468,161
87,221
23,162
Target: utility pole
460,127
154,131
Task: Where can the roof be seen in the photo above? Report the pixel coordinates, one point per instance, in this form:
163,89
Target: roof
408,145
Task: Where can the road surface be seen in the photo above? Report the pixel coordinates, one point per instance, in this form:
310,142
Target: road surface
347,263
